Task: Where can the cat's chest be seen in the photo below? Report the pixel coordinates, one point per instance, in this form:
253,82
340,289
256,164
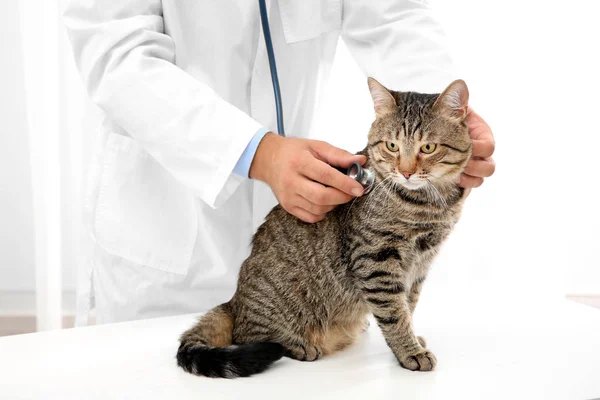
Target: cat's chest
415,237
417,246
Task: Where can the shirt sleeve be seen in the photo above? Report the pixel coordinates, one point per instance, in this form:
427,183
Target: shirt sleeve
242,168
398,42
127,63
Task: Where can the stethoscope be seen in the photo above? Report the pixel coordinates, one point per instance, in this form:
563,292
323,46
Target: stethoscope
364,176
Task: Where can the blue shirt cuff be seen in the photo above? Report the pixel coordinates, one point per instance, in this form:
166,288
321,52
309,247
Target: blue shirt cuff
242,168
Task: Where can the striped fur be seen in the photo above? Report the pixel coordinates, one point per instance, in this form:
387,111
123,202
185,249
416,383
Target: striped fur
306,290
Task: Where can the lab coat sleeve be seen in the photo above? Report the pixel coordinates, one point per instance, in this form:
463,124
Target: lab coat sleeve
398,42
128,66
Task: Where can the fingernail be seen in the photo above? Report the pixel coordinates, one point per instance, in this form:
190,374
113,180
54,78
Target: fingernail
357,192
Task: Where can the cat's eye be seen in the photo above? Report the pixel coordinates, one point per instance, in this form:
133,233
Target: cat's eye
428,148
391,146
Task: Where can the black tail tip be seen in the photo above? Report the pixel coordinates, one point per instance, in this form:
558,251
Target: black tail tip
228,362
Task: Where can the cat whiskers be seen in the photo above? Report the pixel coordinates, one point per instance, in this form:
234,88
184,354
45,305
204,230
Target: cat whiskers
427,191
392,187
350,208
369,199
374,204
375,194
438,199
388,189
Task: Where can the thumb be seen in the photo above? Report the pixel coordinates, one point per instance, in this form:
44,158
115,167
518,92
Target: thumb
335,156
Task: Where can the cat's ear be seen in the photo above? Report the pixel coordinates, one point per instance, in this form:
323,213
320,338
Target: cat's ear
454,101
382,98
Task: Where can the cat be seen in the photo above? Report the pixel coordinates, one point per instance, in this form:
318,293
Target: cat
306,290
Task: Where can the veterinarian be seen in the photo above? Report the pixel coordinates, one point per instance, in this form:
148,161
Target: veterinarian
175,188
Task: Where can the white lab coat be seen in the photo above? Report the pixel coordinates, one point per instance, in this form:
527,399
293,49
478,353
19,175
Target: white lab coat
184,85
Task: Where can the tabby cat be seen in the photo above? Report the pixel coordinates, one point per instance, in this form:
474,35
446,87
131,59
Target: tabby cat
306,290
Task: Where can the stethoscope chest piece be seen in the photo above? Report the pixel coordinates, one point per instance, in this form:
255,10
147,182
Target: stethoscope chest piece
364,176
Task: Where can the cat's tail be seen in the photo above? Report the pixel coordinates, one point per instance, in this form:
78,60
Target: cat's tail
206,349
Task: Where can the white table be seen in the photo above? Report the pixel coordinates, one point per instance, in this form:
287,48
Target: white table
548,350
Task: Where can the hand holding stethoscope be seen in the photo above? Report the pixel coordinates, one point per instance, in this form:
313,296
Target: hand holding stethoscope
365,177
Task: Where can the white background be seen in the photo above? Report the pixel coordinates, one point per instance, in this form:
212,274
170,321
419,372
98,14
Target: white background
533,72
532,69
16,228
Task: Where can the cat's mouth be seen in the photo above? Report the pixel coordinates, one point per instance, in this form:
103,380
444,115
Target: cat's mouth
413,183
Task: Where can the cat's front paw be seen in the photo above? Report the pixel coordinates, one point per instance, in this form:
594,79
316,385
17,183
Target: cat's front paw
422,341
424,360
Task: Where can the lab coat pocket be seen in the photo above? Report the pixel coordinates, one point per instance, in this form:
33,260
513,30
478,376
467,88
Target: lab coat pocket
308,19
142,213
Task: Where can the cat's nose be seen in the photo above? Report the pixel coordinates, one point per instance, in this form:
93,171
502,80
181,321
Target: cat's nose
406,174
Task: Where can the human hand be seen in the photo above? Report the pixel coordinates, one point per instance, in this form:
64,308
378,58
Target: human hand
300,173
482,164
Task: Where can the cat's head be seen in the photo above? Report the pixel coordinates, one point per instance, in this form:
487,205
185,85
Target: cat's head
419,139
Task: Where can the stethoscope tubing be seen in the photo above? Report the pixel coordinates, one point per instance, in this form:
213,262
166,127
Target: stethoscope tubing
273,65
364,177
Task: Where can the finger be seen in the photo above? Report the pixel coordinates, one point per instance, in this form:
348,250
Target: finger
335,156
481,168
306,216
478,128
312,208
321,195
328,176
470,182
483,148
481,132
